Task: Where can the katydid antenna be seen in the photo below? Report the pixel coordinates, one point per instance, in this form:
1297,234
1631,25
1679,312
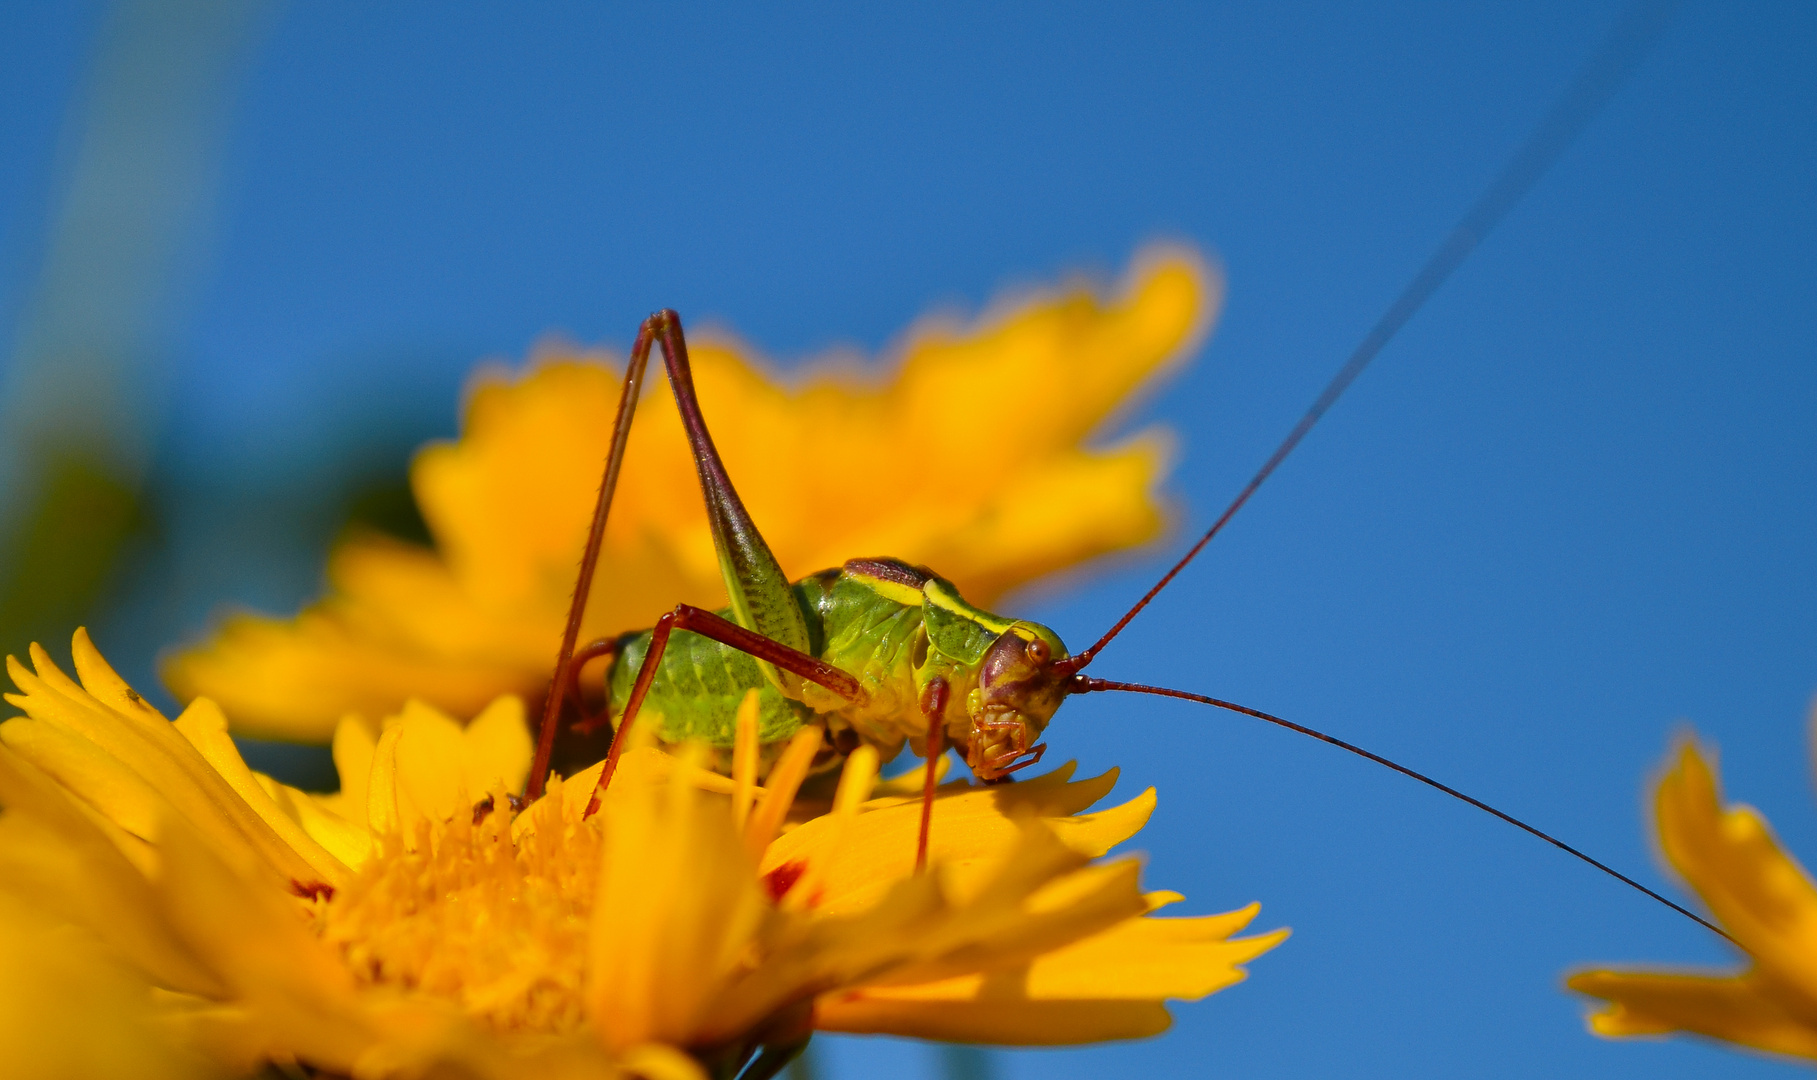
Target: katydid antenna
1596,82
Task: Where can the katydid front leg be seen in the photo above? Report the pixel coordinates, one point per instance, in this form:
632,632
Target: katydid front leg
933,707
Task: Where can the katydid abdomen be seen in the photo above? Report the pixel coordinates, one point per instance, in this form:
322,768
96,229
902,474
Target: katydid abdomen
897,629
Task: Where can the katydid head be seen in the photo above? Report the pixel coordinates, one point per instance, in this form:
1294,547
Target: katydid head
1020,683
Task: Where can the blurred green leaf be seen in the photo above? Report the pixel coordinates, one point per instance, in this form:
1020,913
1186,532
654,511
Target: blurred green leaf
60,551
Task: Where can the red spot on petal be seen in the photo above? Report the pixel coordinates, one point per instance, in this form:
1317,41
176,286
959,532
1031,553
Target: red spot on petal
314,890
779,881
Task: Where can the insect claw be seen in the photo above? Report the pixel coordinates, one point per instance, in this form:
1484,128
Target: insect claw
1004,764
1034,755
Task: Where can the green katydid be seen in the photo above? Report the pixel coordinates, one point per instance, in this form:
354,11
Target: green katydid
875,652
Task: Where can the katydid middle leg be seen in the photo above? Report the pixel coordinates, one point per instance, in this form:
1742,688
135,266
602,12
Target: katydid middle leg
593,650
711,626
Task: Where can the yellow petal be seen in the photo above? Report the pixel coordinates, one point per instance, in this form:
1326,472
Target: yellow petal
120,725
206,729
1033,897
498,747
1038,897
972,827
678,904
320,816
658,1062
355,744
1095,834
855,782
383,811
249,934
1098,986
431,760
1735,1009
67,1011
1153,958
785,780
53,854
1761,895
97,777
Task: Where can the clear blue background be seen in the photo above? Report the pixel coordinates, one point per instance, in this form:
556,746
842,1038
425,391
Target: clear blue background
1570,509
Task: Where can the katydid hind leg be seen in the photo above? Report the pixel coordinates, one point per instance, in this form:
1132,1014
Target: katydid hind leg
760,595
589,561
761,598
713,627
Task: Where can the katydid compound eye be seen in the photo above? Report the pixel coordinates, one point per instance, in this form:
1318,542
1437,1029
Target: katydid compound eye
1038,651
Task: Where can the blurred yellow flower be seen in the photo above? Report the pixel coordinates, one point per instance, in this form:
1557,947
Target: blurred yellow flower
1759,894
508,503
405,927
44,969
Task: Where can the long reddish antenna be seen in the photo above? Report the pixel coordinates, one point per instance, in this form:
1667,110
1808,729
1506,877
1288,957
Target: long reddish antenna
1595,83
1085,684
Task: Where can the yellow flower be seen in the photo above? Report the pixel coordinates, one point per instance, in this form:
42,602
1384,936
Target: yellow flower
508,503
1109,985
406,926
43,969
1759,894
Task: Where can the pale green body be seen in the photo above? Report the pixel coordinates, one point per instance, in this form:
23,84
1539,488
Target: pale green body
878,626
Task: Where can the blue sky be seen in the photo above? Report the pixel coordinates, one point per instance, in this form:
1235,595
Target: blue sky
1569,511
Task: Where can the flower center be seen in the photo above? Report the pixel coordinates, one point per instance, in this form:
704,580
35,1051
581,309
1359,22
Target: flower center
462,911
